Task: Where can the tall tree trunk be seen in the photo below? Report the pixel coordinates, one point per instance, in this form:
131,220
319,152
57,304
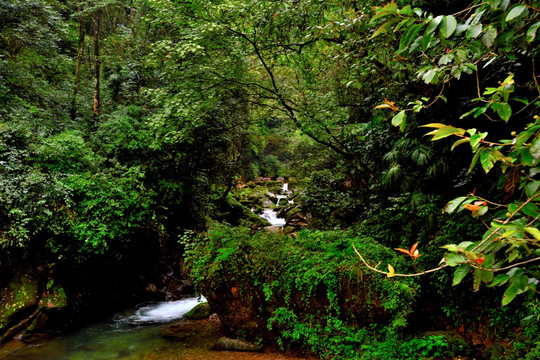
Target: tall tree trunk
82,34
97,65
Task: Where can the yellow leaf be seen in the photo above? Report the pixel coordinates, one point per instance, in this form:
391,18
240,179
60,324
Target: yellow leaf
383,106
434,125
391,272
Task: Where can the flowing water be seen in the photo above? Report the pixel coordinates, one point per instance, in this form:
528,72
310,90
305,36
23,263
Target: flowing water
130,335
271,216
135,335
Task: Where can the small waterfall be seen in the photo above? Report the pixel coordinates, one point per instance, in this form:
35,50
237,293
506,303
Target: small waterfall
271,217
279,197
285,187
162,312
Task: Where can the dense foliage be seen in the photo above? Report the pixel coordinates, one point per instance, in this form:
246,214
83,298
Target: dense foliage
125,125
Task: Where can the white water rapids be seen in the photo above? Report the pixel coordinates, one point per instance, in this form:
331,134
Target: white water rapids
271,215
162,312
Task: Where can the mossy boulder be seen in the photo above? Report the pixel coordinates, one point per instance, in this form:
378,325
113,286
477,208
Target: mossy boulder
28,302
19,297
199,312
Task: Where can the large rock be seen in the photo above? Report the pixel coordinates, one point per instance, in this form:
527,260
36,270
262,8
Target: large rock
180,330
199,312
28,302
238,310
225,343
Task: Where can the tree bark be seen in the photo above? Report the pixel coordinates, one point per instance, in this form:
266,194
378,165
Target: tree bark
82,34
97,66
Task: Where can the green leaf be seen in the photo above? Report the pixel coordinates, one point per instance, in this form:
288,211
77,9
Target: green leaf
505,111
487,276
454,204
531,209
445,131
384,27
531,188
488,39
433,25
475,140
408,36
499,280
535,150
479,111
509,295
448,26
451,247
454,259
426,41
474,30
445,59
461,28
429,75
459,142
388,9
477,279
467,114
531,33
475,160
515,12
399,120
487,159
460,273
534,232
406,10
526,158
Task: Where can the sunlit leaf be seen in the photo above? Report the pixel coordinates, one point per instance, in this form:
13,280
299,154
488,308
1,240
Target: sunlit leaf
391,271
388,9
454,204
448,26
433,25
534,232
459,142
400,120
445,131
516,11
474,30
531,33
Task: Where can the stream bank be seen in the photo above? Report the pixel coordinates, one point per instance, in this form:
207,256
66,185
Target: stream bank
138,335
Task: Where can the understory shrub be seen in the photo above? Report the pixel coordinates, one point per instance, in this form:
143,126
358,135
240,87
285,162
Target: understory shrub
310,289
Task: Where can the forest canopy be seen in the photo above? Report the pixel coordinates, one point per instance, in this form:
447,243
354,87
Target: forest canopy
128,126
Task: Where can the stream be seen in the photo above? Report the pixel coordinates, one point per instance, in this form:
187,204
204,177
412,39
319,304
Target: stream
135,335
271,215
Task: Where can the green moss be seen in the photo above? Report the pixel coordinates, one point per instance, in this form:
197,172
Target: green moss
199,312
21,293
